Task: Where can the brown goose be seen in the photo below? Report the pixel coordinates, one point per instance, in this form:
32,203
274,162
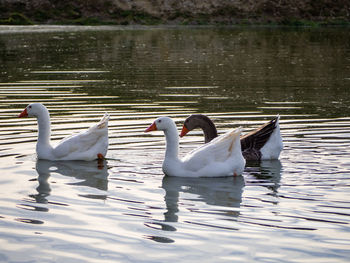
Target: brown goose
264,143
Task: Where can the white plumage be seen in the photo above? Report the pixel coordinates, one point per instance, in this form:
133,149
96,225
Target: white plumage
273,147
87,145
220,157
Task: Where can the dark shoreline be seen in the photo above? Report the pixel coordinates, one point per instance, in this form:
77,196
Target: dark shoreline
173,12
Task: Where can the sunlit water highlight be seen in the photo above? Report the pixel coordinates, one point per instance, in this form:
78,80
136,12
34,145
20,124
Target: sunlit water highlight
296,209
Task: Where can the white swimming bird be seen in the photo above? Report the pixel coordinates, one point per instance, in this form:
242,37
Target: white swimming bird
218,158
87,145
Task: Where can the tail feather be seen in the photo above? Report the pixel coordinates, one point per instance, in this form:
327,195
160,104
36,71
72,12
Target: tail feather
104,121
257,138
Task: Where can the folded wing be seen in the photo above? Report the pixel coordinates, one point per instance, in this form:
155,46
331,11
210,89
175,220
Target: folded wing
84,141
220,149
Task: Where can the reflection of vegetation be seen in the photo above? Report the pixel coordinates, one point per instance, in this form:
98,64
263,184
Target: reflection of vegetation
248,66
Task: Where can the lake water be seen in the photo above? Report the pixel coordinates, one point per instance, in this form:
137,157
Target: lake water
296,209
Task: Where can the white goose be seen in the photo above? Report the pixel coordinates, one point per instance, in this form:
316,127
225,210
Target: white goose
220,157
87,146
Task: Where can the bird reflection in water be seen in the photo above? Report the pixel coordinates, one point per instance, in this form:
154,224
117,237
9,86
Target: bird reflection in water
218,191
224,192
89,174
266,173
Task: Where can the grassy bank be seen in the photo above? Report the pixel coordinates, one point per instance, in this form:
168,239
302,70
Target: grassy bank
194,12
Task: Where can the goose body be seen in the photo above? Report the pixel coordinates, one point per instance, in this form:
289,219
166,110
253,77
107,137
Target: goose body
221,157
87,145
264,143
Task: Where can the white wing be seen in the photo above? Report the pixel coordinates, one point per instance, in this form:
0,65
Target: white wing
218,150
83,141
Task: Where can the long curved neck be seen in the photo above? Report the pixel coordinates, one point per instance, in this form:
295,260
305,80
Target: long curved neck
172,142
44,127
208,128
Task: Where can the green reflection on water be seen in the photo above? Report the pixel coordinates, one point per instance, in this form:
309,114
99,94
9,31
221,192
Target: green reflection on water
269,70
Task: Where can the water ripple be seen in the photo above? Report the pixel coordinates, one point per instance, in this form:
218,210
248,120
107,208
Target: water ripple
82,211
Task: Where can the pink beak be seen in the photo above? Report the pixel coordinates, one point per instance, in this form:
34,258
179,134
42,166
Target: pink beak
23,113
153,127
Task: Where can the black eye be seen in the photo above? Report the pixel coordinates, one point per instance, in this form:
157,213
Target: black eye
29,107
159,121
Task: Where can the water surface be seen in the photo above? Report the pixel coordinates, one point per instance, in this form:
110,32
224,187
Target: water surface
296,209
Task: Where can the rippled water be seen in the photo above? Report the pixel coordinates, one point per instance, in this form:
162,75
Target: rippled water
296,209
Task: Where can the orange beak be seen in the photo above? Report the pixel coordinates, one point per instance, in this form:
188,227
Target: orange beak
184,131
23,113
153,127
